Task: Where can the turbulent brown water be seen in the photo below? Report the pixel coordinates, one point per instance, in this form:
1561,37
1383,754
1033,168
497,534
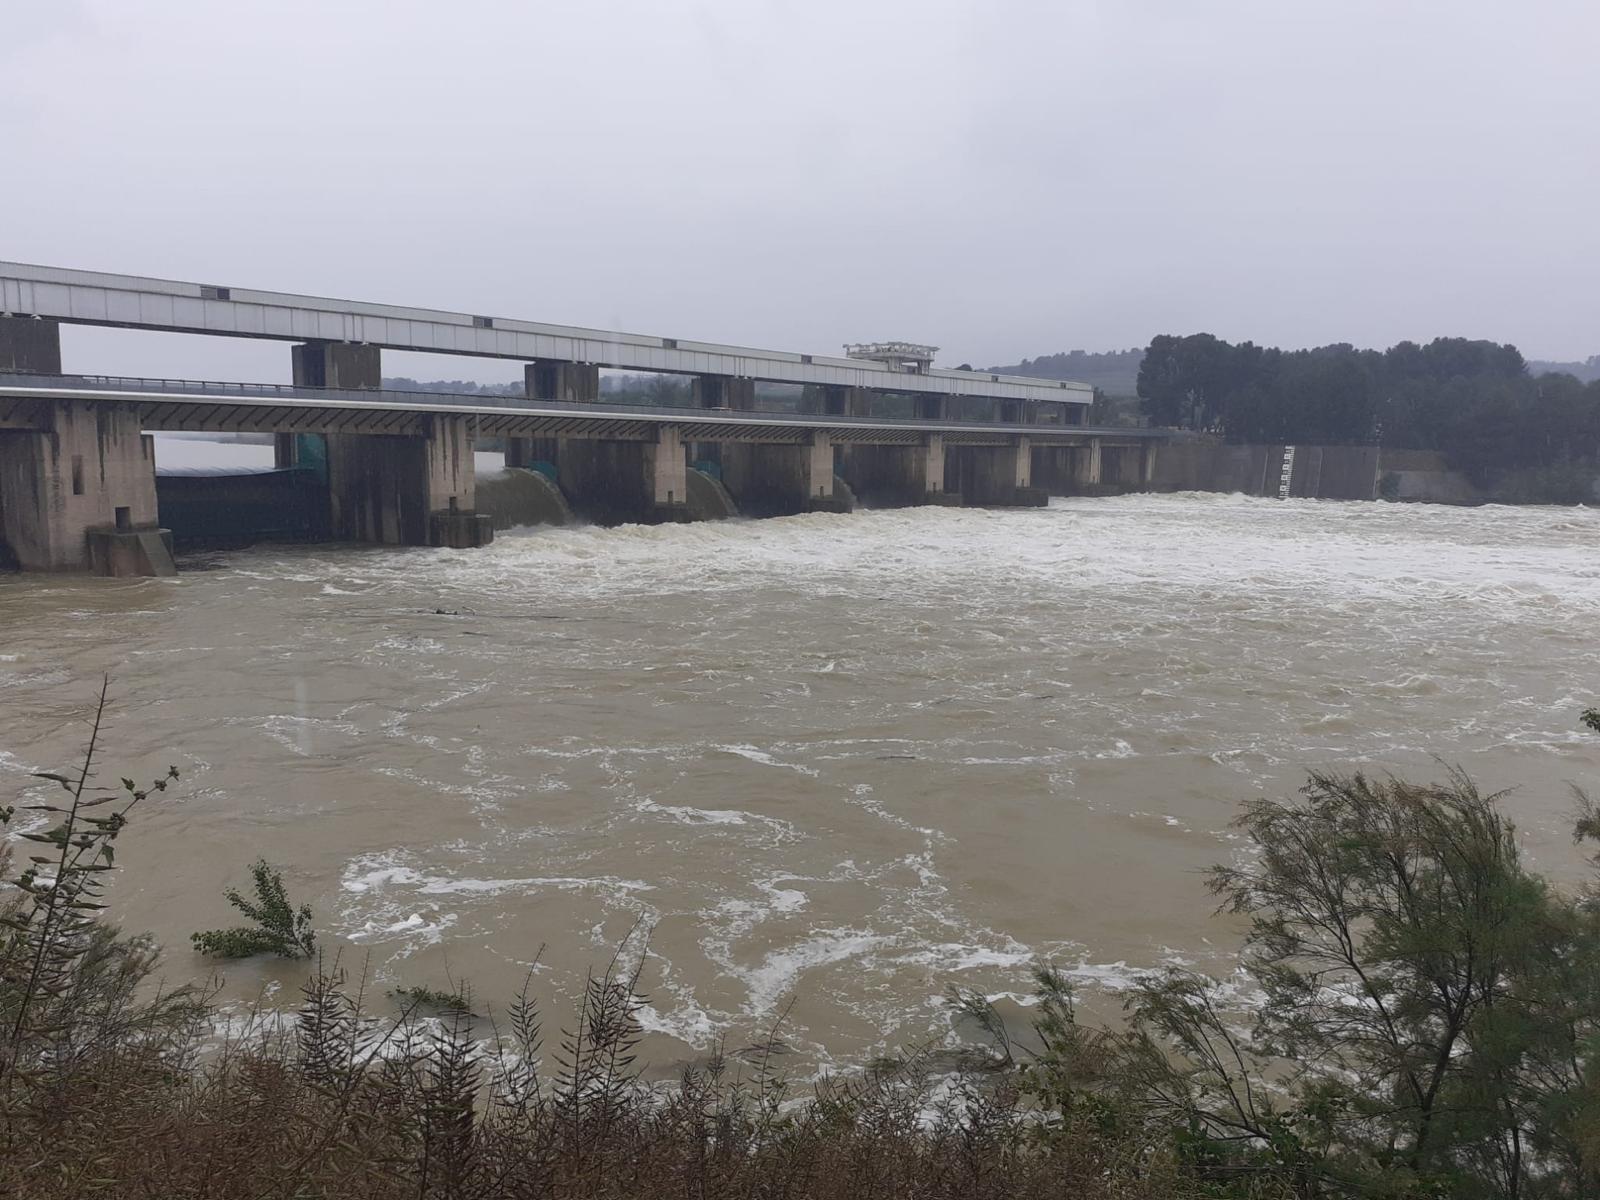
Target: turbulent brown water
849,760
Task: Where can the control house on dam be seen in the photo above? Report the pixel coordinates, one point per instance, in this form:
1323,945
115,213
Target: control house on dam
361,463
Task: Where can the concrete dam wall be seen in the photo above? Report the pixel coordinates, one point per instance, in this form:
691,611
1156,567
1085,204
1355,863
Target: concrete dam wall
1317,472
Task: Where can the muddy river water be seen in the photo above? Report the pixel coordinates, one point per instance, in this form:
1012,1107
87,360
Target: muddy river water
847,761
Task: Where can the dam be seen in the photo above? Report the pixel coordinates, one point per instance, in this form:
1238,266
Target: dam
77,466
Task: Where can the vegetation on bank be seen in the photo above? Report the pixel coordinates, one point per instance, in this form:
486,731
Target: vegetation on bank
1415,1014
1528,437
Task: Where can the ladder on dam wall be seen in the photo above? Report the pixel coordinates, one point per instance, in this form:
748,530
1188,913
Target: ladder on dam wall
1288,473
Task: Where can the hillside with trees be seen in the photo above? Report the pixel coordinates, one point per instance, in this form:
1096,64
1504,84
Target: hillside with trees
1114,372
1474,401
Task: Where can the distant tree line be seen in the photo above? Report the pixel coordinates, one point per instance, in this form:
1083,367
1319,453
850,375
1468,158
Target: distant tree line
1114,372
1475,401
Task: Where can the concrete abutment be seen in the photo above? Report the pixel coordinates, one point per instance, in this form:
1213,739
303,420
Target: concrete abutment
79,493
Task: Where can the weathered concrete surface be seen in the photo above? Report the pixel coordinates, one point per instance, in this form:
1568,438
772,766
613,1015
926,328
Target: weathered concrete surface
391,489
891,476
994,476
615,483
1320,472
1423,476
30,344
724,391
91,469
837,401
575,383
780,480
337,365
1214,466
397,490
130,552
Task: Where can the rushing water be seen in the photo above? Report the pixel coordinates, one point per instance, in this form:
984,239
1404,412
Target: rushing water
849,760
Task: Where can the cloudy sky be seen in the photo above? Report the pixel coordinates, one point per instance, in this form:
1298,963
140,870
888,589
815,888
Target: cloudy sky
1004,178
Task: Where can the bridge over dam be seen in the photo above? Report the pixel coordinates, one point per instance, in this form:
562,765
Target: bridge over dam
77,462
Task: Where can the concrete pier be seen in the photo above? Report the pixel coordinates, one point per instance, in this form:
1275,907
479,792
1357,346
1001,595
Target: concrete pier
846,402
407,490
1086,465
78,493
402,490
666,468
572,382
724,391
30,344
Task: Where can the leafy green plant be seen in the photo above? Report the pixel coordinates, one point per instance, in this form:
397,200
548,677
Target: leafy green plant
279,927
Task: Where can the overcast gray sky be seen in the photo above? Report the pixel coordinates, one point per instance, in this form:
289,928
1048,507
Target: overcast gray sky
1005,178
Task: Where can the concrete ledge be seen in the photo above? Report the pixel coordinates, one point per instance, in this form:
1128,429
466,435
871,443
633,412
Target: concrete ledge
941,500
129,553
669,514
460,530
1017,497
829,504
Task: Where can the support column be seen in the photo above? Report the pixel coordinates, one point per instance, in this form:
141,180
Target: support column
1086,465
842,401
79,493
30,344
337,365
666,469
724,391
408,490
399,490
450,480
556,379
816,466
326,365
551,379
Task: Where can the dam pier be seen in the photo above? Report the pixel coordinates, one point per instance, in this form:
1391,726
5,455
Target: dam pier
77,459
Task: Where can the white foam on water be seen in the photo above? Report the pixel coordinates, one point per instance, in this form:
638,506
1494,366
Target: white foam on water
696,816
852,757
771,982
765,759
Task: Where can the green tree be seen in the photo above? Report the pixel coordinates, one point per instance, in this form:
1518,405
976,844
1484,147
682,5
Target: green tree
1186,380
1420,1010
